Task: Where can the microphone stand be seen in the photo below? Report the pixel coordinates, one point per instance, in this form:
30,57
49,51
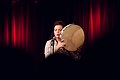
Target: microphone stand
53,46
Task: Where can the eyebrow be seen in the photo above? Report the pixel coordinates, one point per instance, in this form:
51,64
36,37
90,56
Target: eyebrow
58,29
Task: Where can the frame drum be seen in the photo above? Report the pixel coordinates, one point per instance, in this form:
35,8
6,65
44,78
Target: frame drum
73,36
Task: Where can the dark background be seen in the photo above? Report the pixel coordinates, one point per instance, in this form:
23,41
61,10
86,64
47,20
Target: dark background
26,25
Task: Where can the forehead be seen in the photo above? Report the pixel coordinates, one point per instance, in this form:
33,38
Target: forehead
58,27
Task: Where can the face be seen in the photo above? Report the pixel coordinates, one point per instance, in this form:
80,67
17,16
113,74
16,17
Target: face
57,30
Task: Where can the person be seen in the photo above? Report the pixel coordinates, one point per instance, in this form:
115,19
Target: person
56,44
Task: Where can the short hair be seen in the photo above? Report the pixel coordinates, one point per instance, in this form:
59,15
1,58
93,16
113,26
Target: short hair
59,23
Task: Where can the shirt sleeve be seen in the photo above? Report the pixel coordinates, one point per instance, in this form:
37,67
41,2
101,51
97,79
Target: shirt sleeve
48,49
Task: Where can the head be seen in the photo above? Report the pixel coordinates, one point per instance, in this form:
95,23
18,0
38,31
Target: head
58,26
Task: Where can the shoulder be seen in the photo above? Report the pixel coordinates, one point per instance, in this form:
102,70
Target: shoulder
48,42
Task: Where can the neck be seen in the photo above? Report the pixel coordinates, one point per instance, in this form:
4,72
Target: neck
58,39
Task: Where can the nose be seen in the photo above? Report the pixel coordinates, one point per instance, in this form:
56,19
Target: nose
58,31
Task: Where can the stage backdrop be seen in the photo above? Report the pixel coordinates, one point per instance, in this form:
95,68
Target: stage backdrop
27,24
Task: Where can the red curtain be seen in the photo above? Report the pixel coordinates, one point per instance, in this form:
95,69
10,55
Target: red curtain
15,29
96,17
21,27
6,32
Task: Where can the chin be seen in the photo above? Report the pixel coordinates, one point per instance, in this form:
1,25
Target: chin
57,36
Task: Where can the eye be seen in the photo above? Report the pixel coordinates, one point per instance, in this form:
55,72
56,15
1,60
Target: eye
55,29
60,29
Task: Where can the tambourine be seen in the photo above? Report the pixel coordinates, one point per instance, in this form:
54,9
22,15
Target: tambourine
73,36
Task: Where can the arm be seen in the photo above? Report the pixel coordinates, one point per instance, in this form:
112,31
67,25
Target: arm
48,49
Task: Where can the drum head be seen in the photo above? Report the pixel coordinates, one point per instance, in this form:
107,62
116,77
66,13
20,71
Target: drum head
73,36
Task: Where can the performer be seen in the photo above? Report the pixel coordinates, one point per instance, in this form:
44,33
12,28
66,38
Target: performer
56,44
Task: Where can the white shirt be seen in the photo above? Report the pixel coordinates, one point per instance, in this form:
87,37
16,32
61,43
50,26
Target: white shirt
49,48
